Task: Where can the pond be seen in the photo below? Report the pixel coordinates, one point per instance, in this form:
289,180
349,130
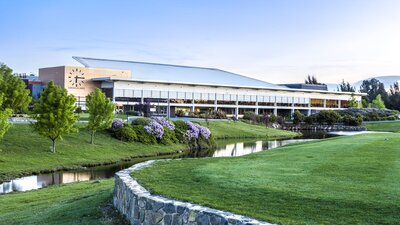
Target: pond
225,148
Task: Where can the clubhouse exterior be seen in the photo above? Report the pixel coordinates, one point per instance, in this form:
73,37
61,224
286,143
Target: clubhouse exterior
169,88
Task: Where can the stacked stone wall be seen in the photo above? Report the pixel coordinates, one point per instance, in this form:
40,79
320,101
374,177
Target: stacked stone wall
142,208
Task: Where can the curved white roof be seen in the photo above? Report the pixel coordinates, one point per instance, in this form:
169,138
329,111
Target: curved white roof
144,71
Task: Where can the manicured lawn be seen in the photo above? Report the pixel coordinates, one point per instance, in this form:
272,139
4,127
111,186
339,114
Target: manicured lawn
79,203
240,129
23,151
384,126
343,180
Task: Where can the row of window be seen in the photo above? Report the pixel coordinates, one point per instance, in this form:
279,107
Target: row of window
208,97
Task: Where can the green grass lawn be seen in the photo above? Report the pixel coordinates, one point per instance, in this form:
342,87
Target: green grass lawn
23,151
384,126
342,180
240,129
78,203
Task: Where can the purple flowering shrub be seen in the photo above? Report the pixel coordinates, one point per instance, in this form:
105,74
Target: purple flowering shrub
155,129
165,123
195,130
117,124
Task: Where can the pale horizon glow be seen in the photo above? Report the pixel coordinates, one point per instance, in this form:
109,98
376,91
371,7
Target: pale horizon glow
274,41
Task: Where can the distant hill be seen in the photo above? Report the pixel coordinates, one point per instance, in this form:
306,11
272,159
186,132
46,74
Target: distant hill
386,80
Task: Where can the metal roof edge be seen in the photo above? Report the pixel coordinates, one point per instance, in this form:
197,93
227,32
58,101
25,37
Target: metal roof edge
224,85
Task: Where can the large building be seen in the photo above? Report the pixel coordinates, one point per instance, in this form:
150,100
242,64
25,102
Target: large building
169,88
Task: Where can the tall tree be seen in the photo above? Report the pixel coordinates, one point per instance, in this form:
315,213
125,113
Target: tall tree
4,114
346,87
54,113
101,111
15,94
373,87
312,80
394,88
378,103
394,97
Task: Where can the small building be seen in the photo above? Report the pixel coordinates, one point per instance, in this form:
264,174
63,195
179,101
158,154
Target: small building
170,88
32,83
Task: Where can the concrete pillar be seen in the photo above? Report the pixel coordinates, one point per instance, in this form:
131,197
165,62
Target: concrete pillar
276,111
237,112
168,107
309,112
324,103
339,104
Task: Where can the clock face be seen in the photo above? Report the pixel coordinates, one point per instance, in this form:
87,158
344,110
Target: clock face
76,78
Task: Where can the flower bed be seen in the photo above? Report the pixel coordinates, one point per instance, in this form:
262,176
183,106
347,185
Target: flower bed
160,130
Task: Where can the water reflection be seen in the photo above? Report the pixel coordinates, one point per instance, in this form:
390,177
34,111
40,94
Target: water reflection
244,148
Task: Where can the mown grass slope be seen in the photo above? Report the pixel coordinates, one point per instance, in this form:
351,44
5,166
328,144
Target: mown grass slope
343,180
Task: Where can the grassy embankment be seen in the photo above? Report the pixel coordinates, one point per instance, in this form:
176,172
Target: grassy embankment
23,151
384,126
343,180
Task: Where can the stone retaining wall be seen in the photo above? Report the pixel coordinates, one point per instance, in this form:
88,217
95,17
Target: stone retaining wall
140,207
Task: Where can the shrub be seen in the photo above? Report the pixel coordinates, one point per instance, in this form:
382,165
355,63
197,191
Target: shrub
117,124
201,143
194,131
249,115
329,117
169,137
272,118
165,123
280,120
311,119
352,120
180,113
126,133
180,130
143,136
298,117
141,121
155,129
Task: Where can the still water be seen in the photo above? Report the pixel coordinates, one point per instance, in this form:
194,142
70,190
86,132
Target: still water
230,148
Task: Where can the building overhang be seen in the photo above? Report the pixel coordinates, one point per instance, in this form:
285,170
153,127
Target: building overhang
112,79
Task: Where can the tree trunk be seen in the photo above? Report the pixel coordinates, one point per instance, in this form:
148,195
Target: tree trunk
53,146
92,138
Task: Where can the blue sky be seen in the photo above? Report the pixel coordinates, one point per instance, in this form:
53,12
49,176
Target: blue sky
277,41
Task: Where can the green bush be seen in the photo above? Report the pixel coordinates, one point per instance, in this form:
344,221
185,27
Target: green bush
201,143
311,119
143,136
180,130
143,121
298,117
352,120
249,115
329,117
126,133
272,118
169,137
